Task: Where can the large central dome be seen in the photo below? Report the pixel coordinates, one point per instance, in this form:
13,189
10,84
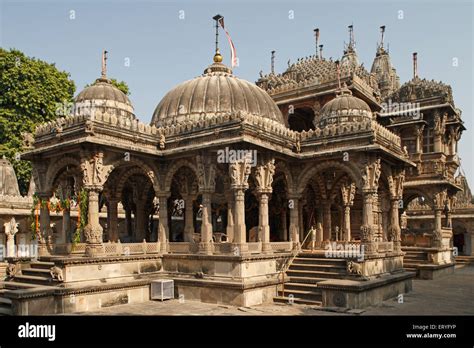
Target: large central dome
215,92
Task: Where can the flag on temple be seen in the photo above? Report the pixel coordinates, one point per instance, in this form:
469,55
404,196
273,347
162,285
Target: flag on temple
232,47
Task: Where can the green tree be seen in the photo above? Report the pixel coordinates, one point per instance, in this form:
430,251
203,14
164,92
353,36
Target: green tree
121,85
30,92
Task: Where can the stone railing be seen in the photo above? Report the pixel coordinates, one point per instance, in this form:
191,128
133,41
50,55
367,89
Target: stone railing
383,247
352,128
109,248
203,122
281,246
180,247
121,122
255,247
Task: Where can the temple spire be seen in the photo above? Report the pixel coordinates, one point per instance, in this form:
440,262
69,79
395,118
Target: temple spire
382,31
104,64
273,62
321,51
217,55
316,36
351,45
415,65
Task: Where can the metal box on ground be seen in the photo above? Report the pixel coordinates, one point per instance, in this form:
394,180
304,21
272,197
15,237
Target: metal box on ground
162,289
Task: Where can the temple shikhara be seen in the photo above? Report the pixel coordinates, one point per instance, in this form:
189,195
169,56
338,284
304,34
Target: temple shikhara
325,184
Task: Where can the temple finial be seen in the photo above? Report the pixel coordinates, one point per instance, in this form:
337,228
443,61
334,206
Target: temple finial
351,45
321,51
415,65
382,31
217,55
273,62
316,36
104,64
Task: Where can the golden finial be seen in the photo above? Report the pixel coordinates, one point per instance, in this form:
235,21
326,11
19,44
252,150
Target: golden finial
217,57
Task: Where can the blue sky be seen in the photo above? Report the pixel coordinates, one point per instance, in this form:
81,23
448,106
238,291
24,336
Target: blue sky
164,49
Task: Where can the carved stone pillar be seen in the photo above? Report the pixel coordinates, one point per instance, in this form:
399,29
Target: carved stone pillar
367,228
207,183
112,215
264,178
163,229
66,220
439,130
438,207
10,229
230,218
348,191
140,217
205,247
394,228
93,230
419,138
370,174
294,219
45,224
188,218
239,173
263,227
327,228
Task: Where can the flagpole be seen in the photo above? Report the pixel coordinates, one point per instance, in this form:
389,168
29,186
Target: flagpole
216,18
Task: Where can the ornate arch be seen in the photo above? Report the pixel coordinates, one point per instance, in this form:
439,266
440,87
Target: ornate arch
311,170
53,170
147,169
174,168
411,193
125,176
282,167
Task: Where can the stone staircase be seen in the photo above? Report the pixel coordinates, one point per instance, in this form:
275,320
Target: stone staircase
303,276
37,275
413,258
464,260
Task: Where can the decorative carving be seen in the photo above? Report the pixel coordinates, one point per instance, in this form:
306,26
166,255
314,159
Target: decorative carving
162,138
354,268
440,124
56,273
11,227
348,191
264,176
395,183
206,173
371,175
239,172
12,270
440,199
94,172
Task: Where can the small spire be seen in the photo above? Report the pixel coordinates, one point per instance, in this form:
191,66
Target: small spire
273,62
338,66
316,35
382,31
415,65
104,64
321,51
217,55
351,45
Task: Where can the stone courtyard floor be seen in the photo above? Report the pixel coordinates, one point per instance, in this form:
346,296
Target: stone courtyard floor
449,295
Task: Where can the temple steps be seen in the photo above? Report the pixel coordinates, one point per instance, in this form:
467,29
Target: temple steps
5,304
290,300
303,276
42,265
42,272
464,260
29,279
319,274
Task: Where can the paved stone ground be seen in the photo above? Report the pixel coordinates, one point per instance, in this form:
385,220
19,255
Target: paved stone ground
449,295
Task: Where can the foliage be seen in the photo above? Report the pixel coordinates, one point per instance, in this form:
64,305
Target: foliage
82,199
121,85
30,92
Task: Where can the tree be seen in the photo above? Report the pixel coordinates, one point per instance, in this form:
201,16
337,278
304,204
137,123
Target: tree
30,92
121,85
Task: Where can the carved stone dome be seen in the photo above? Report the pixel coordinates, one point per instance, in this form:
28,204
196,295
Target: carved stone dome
104,96
216,92
345,108
8,180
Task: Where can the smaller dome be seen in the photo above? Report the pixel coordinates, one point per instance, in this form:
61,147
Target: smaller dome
8,180
106,97
345,108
